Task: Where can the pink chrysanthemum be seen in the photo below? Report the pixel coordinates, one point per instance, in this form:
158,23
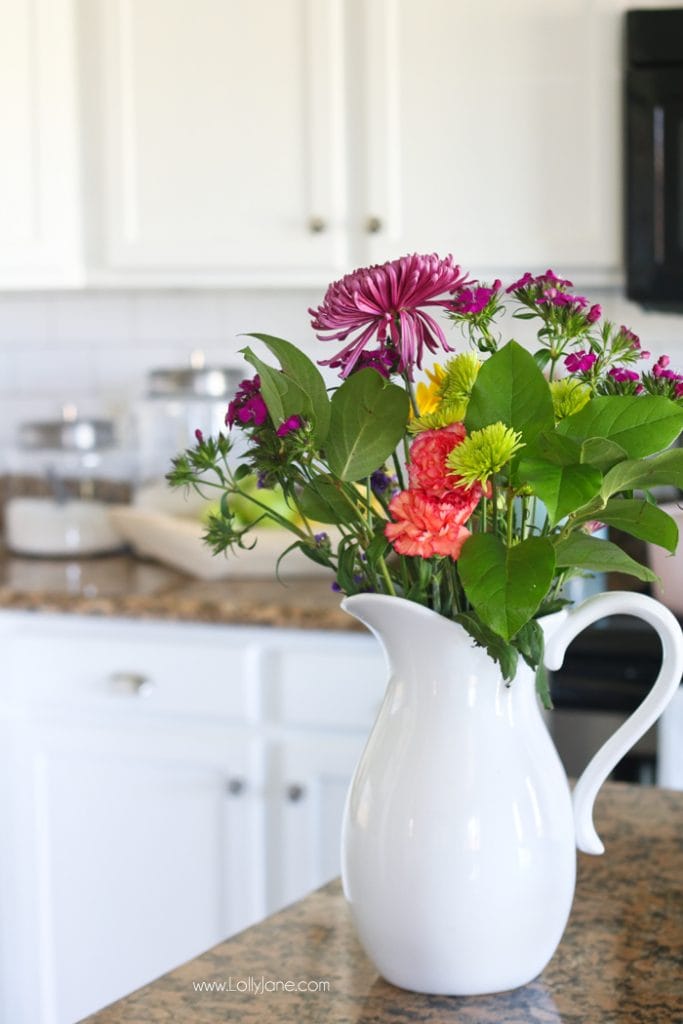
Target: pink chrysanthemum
427,467
386,303
426,526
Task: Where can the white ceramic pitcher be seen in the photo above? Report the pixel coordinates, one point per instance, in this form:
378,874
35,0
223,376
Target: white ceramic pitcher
460,832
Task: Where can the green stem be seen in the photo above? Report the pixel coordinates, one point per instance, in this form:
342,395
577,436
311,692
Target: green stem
387,576
399,471
511,515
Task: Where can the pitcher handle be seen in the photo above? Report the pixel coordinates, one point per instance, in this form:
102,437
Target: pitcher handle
665,686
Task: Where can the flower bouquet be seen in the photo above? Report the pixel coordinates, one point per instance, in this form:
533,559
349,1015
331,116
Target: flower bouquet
473,486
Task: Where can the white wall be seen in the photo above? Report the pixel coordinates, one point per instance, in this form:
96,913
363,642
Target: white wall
94,348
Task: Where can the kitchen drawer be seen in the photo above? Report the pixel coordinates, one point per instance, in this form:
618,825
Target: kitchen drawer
331,681
154,666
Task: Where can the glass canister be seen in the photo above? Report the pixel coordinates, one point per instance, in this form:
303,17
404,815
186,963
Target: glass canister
179,401
62,477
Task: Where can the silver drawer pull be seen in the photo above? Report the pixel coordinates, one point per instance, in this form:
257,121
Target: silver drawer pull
295,793
132,684
236,786
373,225
316,225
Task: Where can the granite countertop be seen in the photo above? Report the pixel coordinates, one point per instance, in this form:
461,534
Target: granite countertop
121,585
618,963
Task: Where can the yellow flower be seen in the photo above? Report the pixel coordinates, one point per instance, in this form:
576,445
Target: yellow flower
428,396
483,453
568,395
444,400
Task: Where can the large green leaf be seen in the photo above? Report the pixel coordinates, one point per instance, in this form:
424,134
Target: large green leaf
304,378
506,585
642,474
642,519
323,501
601,453
511,389
582,552
551,466
283,397
562,489
369,417
640,424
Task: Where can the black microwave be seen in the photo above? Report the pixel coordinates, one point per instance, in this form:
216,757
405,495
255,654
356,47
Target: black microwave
654,157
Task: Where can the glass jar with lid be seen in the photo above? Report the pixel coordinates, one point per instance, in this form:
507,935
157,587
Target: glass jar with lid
63,475
179,401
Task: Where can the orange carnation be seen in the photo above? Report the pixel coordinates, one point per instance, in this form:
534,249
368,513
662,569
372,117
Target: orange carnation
428,526
427,467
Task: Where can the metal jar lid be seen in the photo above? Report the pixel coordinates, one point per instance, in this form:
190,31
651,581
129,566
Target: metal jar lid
207,382
77,435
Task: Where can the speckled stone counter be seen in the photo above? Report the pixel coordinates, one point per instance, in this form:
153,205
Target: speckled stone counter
620,961
126,586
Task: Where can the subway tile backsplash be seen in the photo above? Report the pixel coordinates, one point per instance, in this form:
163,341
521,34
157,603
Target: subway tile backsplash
95,348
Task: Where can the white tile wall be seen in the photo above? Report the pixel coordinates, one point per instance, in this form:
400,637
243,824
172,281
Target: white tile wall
95,348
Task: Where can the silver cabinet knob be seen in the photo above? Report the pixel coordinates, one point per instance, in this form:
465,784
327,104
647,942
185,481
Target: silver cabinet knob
236,786
295,792
316,225
133,684
373,225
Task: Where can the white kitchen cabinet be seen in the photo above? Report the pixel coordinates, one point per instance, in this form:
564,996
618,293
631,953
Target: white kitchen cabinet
492,130
39,165
141,854
309,781
222,139
162,786
284,142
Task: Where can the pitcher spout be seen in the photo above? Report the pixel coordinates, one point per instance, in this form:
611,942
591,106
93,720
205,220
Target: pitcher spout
401,626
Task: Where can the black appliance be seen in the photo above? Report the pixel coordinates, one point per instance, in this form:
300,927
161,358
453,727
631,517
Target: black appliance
654,157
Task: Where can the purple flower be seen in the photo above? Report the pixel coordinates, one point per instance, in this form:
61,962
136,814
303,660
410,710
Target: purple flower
290,424
387,303
385,361
523,282
580,362
474,299
320,538
547,280
679,389
627,335
247,406
621,374
335,586
381,481
594,313
199,437
660,369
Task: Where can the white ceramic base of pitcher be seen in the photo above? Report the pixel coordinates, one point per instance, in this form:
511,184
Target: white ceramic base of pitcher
459,836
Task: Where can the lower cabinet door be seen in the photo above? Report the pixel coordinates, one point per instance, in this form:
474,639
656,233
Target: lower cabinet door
308,781
130,849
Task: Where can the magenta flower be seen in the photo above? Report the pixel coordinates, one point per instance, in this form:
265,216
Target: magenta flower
387,303
547,280
580,362
660,369
474,299
383,360
621,374
594,313
247,407
288,425
679,389
199,437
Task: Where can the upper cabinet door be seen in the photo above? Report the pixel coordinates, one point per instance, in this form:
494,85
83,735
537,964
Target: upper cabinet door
492,131
223,150
39,186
